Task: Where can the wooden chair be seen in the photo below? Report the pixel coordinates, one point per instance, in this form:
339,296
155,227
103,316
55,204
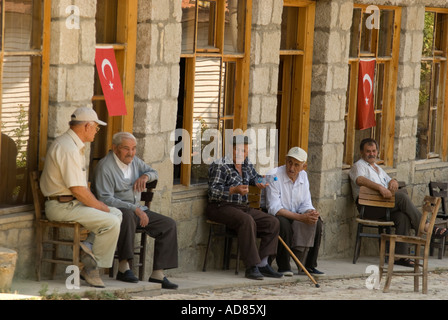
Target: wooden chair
54,239
369,197
421,240
140,249
220,230
439,189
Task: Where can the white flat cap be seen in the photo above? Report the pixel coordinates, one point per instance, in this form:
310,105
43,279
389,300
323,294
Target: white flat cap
87,114
297,153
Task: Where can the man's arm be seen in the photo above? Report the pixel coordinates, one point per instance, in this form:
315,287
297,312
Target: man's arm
308,217
84,195
362,181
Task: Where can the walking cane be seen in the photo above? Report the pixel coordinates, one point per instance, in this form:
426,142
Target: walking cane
298,262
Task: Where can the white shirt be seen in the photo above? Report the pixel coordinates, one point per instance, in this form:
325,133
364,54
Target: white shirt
125,168
363,169
286,194
64,166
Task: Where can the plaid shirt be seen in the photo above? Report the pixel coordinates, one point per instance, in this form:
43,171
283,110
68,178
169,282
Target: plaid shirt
223,175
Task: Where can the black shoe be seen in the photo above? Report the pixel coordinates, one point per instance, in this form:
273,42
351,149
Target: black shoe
269,272
127,276
314,270
253,273
166,284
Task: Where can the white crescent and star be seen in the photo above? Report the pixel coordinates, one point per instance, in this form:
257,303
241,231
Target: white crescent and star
107,63
367,77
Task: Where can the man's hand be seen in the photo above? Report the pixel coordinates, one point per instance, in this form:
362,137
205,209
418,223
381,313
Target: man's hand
386,193
310,216
393,185
140,183
241,189
144,220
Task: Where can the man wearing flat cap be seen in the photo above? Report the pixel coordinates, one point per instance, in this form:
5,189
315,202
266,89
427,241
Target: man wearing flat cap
229,180
68,198
289,199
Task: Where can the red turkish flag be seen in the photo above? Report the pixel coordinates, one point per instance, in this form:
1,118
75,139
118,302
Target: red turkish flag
110,81
366,115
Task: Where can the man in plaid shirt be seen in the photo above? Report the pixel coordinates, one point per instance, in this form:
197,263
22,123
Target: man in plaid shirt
229,181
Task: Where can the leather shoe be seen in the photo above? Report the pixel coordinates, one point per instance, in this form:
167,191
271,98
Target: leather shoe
92,277
267,271
166,284
253,273
127,276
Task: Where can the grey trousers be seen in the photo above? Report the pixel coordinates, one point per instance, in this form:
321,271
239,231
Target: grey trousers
163,229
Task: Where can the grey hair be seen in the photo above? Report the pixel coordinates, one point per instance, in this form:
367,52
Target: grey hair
120,136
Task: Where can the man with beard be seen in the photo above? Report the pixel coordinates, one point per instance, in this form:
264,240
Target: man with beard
405,215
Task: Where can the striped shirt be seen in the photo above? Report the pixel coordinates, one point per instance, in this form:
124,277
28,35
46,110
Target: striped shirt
223,175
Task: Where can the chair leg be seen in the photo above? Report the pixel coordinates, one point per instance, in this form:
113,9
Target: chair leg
390,268
39,250
204,266
382,257
237,269
142,256
442,248
357,244
55,252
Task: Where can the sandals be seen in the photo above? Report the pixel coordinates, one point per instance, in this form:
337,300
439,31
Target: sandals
405,262
438,233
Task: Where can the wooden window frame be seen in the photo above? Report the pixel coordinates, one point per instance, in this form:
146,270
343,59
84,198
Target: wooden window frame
38,114
388,111
295,94
125,53
242,75
441,130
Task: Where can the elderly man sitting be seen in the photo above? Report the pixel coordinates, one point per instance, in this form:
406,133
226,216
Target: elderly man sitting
289,199
119,179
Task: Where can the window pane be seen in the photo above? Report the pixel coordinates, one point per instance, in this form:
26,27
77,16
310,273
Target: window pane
235,22
18,25
228,89
205,111
206,38
440,33
16,97
354,33
379,86
188,25
424,110
386,33
428,34
367,37
289,28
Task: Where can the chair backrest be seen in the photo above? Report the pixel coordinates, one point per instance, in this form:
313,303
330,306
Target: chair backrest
254,197
149,193
370,197
440,189
38,198
430,207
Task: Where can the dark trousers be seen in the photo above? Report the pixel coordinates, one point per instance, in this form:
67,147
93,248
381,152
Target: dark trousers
311,260
283,256
249,224
405,216
162,229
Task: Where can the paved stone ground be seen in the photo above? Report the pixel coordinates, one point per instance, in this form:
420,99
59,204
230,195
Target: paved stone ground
402,288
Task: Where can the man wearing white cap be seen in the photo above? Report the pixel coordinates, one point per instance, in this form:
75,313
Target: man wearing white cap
64,185
289,199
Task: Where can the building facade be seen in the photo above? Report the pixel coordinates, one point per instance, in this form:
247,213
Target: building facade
285,72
